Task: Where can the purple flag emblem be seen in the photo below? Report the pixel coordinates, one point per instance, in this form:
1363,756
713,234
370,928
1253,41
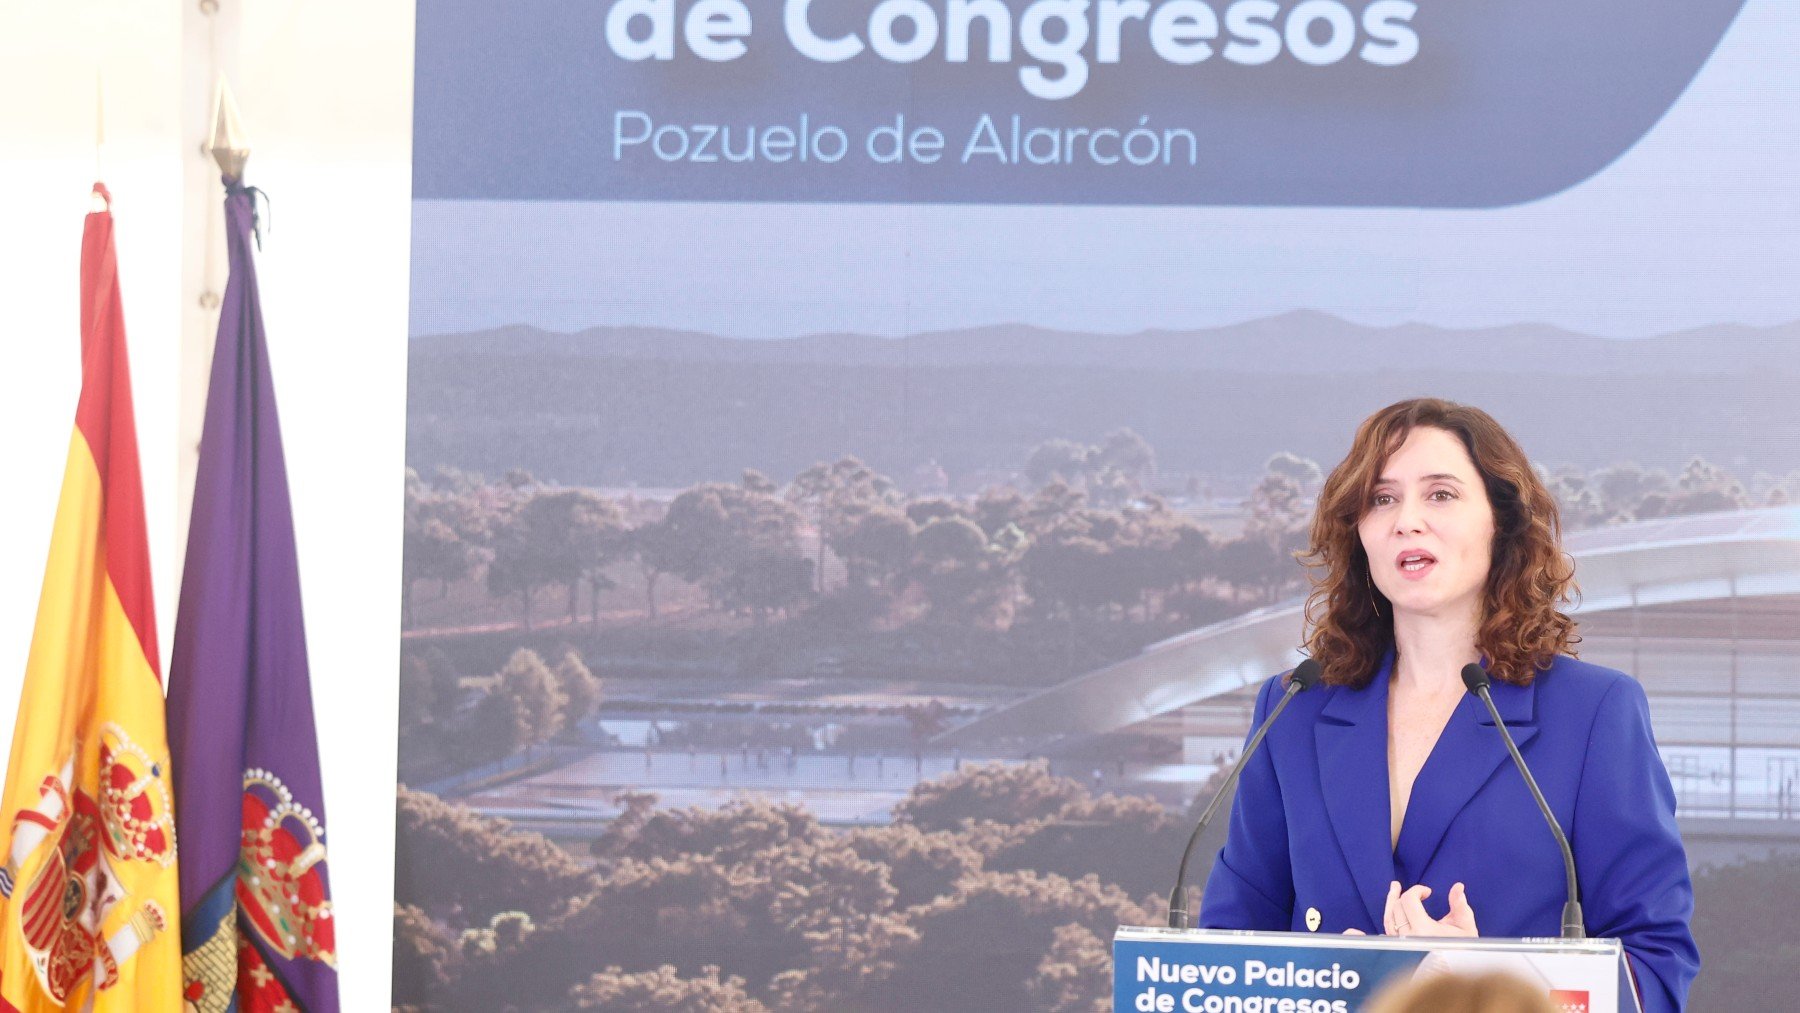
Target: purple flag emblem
257,926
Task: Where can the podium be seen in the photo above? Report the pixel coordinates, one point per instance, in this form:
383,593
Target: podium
1159,970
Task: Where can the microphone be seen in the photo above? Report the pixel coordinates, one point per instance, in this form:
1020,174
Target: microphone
1304,676
1476,679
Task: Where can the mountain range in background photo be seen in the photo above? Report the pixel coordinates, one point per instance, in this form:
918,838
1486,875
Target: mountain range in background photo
650,407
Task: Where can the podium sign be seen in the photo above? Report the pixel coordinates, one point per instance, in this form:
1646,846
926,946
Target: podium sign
1159,970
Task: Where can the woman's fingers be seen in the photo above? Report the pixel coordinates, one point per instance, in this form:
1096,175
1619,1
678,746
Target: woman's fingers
1461,914
1413,919
1407,913
1390,916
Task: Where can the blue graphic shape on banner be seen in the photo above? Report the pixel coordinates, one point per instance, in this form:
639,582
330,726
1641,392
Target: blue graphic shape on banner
1136,102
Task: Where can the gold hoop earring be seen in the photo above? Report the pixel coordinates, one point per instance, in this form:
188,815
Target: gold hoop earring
1374,595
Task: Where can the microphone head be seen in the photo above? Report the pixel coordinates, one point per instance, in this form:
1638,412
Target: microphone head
1306,674
1475,677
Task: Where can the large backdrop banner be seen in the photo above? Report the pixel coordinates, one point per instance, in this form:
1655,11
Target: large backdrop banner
856,452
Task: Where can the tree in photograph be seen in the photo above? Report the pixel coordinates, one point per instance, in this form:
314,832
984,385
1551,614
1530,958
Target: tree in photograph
637,914
876,549
847,964
963,574
1777,490
1050,506
1107,561
1623,488
835,496
1065,570
556,537
757,916
1577,498
1075,976
421,955
527,680
924,720
696,534
985,943
499,726
660,550
452,480
923,511
515,570
999,507
1278,510
734,832
1250,563
431,707
768,582
1704,487
1140,537
922,865
1110,488
664,990
741,544
485,947
1129,455
1305,471
418,692
1008,793
447,693
580,689
589,530
1125,840
1117,471
454,859
438,542
1058,460
1190,554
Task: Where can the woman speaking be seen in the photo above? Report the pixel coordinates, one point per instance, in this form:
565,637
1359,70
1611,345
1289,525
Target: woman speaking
1435,545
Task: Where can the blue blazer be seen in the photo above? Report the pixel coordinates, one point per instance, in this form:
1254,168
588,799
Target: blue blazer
1310,824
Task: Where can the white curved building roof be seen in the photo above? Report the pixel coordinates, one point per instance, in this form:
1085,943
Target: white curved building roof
1675,559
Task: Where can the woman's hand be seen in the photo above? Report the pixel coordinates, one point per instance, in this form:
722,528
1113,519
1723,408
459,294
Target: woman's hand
1405,914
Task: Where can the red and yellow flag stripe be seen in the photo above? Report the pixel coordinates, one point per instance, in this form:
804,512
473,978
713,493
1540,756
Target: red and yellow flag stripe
88,894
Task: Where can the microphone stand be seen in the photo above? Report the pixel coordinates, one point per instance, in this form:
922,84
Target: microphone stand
1572,927
1303,677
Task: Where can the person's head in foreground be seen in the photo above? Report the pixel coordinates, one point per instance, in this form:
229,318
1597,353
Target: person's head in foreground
1436,517
1491,992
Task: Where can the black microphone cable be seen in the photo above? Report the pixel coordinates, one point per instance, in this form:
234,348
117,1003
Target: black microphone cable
1476,679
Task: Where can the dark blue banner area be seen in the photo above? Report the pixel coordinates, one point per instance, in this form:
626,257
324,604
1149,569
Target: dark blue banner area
1161,977
1170,102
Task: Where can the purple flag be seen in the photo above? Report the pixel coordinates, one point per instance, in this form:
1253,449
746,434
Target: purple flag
257,924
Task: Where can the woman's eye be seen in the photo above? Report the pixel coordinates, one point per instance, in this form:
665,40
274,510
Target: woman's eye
1443,495
1382,499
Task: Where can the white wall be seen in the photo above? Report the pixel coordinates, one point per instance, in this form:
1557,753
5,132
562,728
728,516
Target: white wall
325,87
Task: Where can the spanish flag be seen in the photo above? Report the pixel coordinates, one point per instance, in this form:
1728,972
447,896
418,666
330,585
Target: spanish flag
88,894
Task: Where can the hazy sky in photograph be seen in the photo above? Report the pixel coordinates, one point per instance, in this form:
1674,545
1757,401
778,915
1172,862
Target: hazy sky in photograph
1698,224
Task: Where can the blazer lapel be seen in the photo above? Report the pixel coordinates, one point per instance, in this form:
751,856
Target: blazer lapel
1465,757
1350,735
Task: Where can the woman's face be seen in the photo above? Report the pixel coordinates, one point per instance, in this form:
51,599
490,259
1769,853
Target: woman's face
1429,529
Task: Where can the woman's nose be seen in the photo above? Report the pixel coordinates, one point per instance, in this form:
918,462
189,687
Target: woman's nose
1408,520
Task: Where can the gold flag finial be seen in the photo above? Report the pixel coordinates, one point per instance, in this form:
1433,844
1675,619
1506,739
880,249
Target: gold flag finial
229,147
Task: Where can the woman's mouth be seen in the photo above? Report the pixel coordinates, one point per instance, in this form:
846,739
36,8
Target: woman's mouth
1415,563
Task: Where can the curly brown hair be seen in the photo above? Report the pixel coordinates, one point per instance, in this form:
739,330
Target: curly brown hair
1350,626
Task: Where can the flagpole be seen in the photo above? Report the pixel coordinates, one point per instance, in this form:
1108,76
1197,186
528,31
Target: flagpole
99,120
